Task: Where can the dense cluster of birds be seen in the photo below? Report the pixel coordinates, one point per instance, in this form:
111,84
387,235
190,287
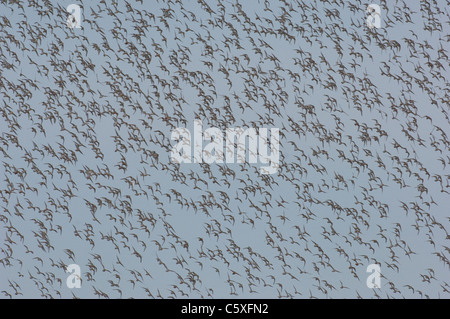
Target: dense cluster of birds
87,113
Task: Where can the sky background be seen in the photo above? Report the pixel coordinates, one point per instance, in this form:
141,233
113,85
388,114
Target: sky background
78,110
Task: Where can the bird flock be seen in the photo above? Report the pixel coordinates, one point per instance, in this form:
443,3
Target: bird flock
87,114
